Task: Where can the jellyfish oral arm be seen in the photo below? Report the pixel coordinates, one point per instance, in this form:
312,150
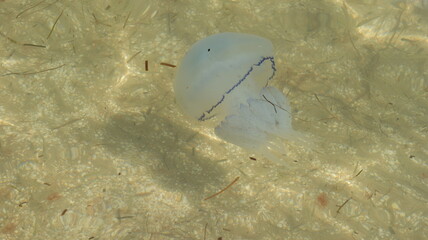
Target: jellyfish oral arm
260,124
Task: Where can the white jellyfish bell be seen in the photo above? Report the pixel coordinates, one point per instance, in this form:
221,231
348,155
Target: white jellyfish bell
223,80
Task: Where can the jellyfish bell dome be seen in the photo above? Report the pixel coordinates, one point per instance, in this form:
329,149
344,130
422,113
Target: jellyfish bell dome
222,71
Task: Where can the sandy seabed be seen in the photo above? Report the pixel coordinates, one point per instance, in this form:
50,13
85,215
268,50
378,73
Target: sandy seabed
93,146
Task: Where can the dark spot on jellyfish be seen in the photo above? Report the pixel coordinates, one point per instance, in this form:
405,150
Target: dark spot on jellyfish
209,49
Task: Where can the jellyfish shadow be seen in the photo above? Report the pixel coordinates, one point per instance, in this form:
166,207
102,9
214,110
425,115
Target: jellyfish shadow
166,149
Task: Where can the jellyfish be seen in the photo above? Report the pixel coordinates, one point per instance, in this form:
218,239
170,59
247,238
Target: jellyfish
222,81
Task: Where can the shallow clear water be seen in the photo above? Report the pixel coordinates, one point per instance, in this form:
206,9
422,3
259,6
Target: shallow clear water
93,146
